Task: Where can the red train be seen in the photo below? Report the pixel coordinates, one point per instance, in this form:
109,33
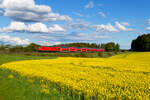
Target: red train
68,49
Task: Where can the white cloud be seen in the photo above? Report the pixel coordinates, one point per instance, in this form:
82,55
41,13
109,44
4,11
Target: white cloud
89,5
148,21
122,27
71,37
37,27
13,40
32,28
125,23
78,36
14,26
1,13
47,43
56,28
107,28
78,14
27,10
79,25
148,28
102,14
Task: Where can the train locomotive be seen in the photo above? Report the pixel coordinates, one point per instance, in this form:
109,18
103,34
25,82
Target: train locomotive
68,49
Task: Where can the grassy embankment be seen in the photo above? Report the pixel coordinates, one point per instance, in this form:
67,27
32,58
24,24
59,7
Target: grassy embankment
83,54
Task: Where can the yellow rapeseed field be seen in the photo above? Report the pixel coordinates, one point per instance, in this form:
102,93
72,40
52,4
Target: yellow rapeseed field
126,76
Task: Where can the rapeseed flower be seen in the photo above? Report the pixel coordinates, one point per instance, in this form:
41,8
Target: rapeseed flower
10,76
45,91
122,76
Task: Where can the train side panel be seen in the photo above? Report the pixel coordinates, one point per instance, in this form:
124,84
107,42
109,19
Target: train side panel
68,49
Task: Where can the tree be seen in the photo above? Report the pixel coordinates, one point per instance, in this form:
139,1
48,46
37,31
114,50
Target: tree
142,43
2,47
117,47
86,45
103,46
110,47
16,49
5,48
32,47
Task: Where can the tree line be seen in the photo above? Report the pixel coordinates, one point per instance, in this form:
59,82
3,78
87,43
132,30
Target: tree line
19,48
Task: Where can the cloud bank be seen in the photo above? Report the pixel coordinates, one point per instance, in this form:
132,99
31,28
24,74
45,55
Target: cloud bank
32,28
28,11
13,40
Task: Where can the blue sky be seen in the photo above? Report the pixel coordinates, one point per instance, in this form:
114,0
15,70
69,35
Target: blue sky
49,22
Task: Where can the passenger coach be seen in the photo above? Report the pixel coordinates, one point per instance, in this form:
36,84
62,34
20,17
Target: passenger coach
68,49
